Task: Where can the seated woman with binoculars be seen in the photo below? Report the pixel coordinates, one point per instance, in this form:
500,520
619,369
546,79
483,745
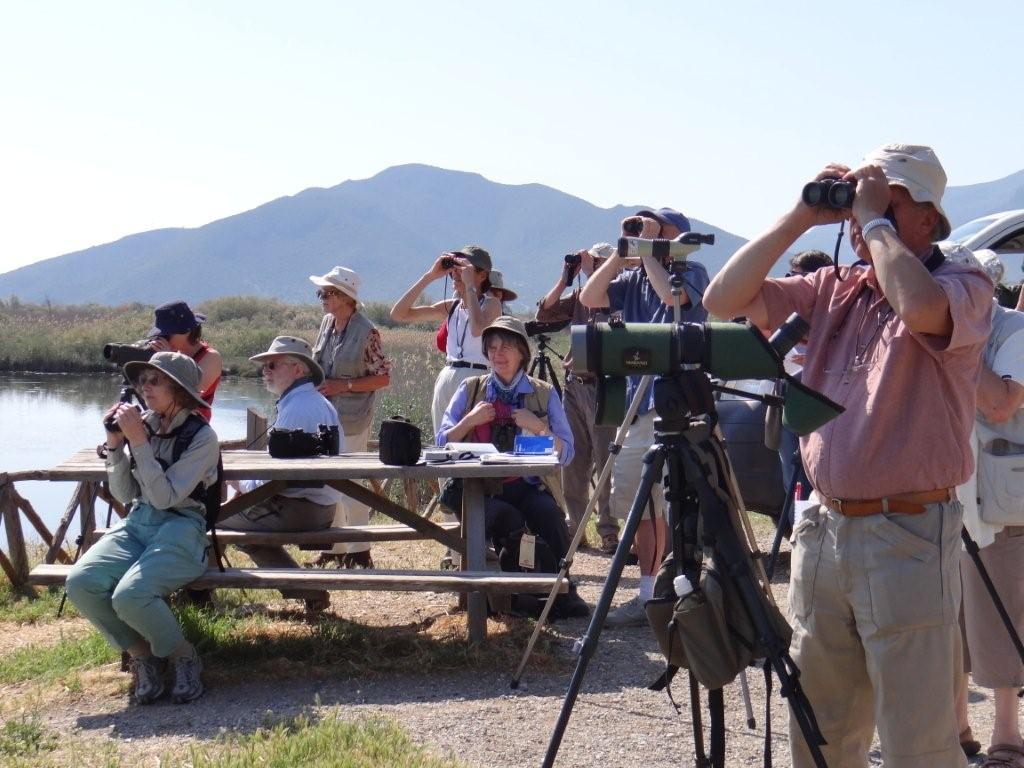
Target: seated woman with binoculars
120,583
496,407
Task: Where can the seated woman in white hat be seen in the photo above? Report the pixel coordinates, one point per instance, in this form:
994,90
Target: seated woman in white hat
348,349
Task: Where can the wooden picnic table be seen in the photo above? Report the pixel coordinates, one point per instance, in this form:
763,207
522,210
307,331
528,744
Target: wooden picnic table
342,472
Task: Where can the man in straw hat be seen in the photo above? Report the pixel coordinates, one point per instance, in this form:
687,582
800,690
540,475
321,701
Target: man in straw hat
875,584
291,373
580,393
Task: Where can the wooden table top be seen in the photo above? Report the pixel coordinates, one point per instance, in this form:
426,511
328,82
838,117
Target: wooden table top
243,465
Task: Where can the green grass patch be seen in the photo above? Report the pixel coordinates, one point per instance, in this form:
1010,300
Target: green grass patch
23,736
20,609
328,743
46,663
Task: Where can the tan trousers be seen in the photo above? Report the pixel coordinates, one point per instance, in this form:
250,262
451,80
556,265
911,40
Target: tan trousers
349,511
874,602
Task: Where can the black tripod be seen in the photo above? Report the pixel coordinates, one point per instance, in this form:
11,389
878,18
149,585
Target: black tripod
541,366
694,460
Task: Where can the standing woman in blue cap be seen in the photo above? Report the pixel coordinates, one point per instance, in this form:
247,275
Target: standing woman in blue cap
177,328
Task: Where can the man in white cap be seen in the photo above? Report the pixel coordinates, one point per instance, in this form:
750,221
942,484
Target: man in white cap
875,584
592,439
291,373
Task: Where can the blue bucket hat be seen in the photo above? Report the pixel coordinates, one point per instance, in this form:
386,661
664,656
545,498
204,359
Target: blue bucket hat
668,216
174,317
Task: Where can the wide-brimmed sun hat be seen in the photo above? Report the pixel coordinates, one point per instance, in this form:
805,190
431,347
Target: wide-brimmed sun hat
293,346
174,317
498,284
505,323
342,278
917,169
181,369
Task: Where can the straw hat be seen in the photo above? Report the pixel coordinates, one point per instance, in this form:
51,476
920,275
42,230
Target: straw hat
181,369
342,278
293,347
498,283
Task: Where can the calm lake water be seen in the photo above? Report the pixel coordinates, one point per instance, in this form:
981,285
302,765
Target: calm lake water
44,418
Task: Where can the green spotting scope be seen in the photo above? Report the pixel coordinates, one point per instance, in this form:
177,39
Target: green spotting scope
613,351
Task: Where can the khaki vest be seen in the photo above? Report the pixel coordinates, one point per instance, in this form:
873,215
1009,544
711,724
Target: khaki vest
355,410
537,403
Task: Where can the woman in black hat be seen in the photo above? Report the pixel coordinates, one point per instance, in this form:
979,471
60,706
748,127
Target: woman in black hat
176,328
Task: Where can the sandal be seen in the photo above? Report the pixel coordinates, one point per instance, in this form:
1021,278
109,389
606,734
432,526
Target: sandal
970,745
1004,756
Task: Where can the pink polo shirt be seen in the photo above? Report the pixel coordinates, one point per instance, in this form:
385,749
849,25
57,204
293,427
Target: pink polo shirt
909,397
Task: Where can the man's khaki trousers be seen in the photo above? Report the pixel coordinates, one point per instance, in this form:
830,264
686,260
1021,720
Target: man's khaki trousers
874,602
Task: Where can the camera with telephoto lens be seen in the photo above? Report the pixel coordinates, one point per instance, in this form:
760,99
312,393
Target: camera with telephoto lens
829,193
297,443
119,354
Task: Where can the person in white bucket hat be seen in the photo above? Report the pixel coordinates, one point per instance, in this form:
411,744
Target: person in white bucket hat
875,581
348,348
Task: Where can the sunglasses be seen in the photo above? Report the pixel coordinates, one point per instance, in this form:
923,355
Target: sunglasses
154,379
276,364
327,293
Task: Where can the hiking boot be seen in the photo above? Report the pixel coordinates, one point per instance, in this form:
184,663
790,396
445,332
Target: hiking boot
569,606
147,678
629,614
188,685
317,605
609,543
357,559
326,560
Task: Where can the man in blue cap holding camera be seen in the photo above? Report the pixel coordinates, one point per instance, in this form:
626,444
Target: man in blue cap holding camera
643,295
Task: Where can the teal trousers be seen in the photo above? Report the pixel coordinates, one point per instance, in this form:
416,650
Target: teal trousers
120,583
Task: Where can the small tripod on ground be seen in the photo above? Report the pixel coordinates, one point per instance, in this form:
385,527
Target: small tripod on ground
541,366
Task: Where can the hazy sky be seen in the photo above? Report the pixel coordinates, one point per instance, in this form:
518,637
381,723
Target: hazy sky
120,117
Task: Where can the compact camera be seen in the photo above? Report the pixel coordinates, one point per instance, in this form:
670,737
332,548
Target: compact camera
829,193
297,444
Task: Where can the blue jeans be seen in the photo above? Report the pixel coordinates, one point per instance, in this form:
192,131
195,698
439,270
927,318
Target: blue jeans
120,583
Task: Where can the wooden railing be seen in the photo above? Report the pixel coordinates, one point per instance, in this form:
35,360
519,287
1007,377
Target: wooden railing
15,560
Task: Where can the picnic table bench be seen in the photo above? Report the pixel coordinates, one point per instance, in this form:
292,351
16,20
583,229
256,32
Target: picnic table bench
342,473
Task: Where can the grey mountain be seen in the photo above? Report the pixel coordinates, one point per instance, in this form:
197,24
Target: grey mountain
389,228
962,204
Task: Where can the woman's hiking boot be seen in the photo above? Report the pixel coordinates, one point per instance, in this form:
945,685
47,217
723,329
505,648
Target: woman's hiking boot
147,678
188,684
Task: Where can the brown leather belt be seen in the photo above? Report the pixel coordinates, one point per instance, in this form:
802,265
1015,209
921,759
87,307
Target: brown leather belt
903,503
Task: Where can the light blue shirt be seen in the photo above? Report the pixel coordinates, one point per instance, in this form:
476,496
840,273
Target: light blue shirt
557,422
302,407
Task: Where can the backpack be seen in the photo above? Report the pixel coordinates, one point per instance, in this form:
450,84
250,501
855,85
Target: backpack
208,496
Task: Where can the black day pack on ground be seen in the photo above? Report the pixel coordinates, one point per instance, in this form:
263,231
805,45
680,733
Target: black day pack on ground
400,442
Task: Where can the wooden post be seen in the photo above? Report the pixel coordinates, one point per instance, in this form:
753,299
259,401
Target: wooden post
15,537
475,557
64,524
255,431
87,516
33,517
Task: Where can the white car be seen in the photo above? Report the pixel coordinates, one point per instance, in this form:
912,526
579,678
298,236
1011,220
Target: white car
1001,232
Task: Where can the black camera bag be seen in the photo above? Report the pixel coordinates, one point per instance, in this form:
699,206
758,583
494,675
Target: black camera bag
400,442
292,444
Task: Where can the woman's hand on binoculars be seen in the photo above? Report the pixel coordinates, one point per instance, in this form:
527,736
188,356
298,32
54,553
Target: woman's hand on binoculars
527,419
160,344
467,271
438,269
114,439
482,413
129,420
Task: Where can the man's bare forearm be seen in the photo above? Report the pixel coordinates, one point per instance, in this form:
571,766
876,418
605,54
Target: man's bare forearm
739,282
916,298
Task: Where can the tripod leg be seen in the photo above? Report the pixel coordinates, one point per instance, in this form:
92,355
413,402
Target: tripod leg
782,527
973,550
651,473
606,471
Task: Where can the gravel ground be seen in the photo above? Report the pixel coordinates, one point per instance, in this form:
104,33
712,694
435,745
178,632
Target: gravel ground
470,715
